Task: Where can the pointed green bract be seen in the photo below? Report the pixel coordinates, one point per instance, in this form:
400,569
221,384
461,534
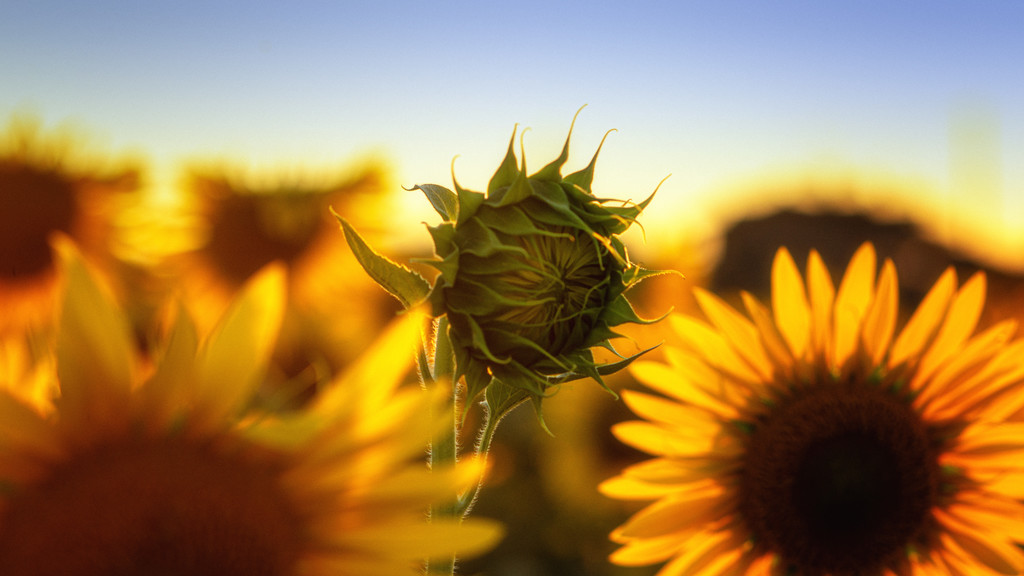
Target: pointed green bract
409,287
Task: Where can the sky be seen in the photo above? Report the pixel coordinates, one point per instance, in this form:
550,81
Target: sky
913,107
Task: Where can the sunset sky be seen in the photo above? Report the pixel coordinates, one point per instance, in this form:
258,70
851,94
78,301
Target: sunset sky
738,101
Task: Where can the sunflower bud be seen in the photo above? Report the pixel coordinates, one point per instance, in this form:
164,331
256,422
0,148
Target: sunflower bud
532,275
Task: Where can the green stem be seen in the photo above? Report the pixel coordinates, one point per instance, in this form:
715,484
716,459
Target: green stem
444,447
483,448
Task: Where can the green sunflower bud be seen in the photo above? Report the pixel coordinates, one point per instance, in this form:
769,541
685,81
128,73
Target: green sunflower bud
532,277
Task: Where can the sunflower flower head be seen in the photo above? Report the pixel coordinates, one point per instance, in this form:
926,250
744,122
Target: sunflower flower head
532,275
49,185
157,466
813,439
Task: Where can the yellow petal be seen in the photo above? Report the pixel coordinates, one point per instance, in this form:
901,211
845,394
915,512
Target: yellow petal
658,441
22,430
95,362
953,378
987,511
680,471
881,318
822,294
988,549
168,392
738,331
987,439
714,349
993,391
959,323
649,550
706,553
383,365
680,385
674,414
856,292
234,358
681,512
626,488
789,301
435,539
769,334
926,319
1007,482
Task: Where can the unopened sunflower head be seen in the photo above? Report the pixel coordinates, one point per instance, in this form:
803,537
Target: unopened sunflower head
532,276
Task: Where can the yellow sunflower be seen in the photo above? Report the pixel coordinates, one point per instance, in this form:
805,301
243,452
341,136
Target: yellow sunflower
48,186
151,467
241,221
812,440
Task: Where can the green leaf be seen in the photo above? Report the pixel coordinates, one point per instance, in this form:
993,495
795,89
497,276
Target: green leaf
444,201
409,287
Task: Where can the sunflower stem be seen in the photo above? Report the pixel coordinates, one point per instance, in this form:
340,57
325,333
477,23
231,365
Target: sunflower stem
483,448
444,447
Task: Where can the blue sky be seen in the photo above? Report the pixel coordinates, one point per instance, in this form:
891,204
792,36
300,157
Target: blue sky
725,96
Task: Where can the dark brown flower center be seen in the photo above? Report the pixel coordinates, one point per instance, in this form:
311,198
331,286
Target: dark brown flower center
250,231
839,479
33,204
153,509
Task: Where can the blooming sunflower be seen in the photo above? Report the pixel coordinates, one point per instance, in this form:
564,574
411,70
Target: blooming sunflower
151,467
242,221
813,440
46,188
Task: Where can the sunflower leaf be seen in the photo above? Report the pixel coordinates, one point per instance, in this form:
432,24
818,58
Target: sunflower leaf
409,287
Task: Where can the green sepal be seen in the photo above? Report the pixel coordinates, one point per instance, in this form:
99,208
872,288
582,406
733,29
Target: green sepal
620,311
444,201
443,236
479,240
637,274
447,267
607,369
515,221
519,190
469,201
484,299
502,398
538,409
507,173
585,178
553,171
404,284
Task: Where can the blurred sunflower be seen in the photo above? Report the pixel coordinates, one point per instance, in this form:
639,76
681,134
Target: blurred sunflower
242,222
47,186
141,467
812,440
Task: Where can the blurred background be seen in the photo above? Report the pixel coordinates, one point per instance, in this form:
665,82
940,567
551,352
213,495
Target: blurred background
186,144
